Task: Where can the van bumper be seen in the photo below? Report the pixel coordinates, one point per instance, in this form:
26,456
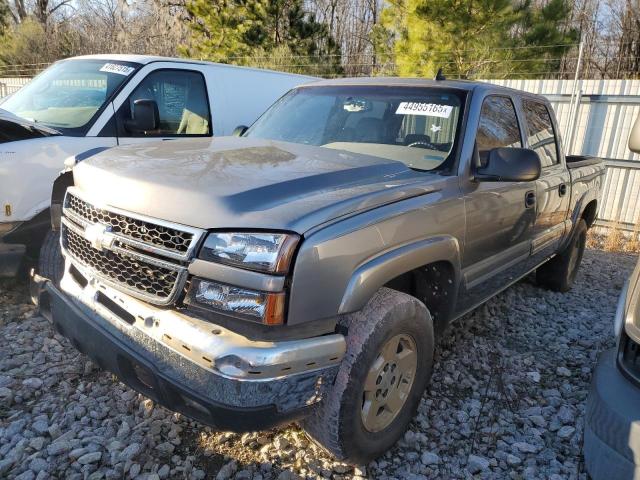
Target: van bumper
612,424
11,257
175,382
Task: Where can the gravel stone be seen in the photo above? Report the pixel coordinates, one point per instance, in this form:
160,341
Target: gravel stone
477,464
429,458
88,458
506,401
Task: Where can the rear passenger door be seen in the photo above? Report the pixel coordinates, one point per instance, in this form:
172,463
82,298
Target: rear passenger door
553,188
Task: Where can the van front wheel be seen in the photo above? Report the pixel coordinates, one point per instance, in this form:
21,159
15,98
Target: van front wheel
380,381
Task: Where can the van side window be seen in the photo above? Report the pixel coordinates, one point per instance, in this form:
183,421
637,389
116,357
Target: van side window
498,126
182,102
540,134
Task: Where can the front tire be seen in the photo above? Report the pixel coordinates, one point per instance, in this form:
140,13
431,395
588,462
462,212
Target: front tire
381,380
50,260
559,273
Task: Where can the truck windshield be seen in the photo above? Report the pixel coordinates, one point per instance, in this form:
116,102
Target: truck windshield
69,94
416,126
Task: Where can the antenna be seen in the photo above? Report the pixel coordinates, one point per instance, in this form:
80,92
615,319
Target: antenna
440,76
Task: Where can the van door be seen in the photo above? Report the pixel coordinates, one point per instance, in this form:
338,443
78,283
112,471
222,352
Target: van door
499,215
181,101
553,188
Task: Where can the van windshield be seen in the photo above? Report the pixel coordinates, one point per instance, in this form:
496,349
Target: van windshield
414,125
69,94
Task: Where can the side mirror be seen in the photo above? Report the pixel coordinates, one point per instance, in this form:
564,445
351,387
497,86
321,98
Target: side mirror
510,165
239,130
145,116
634,138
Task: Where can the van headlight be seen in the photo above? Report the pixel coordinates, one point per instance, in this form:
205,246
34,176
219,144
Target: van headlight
262,252
262,307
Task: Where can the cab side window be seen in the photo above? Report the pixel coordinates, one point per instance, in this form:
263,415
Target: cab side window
540,134
498,126
183,105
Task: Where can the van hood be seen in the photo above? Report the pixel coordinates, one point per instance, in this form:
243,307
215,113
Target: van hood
13,128
231,182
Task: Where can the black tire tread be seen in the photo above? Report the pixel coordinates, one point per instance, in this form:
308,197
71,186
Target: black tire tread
325,424
555,274
50,261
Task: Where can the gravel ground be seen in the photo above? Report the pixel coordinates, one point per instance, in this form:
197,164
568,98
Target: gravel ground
506,401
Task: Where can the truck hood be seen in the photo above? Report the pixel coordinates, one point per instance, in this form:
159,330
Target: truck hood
13,128
231,182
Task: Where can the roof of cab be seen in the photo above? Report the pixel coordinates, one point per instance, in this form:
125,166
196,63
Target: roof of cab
467,85
146,59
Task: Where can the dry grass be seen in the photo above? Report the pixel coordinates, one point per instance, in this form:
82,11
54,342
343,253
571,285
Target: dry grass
615,239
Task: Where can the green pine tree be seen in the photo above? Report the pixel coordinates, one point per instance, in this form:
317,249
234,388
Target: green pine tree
253,32
467,38
5,16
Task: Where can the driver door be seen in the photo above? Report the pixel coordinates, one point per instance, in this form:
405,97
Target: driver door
500,216
183,107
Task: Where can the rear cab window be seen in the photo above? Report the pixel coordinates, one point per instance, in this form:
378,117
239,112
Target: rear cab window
541,136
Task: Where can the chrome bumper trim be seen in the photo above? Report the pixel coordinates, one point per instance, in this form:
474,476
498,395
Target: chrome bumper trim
207,345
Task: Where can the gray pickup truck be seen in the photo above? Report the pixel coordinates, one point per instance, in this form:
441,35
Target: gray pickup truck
305,270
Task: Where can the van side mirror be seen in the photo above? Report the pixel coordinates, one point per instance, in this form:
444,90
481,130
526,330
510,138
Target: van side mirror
239,130
634,138
145,116
510,165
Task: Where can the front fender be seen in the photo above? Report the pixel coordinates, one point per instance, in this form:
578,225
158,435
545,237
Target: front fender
375,273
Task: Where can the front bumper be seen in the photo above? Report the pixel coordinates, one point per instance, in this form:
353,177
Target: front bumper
612,424
222,391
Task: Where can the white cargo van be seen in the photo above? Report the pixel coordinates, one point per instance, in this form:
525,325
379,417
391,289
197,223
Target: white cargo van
83,105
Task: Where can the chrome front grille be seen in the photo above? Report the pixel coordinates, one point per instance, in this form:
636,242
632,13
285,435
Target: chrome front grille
161,237
141,256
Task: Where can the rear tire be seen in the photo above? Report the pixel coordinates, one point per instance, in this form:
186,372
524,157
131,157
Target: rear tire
51,261
388,339
559,273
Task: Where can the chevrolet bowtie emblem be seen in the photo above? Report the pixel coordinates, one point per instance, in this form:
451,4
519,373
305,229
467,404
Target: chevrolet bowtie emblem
99,236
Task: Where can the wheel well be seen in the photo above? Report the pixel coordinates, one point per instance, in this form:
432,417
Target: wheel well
589,213
434,285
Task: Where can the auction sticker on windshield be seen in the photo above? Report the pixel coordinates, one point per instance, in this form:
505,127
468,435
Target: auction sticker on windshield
424,109
115,68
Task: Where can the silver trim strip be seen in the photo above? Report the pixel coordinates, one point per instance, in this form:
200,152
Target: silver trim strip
211,346
235,276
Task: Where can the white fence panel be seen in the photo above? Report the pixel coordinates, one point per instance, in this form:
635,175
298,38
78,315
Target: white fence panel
11,85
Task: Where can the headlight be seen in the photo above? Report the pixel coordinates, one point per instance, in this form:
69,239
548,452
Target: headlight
261,307
265,252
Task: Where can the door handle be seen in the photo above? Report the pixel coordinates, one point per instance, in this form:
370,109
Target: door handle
562,189
530,199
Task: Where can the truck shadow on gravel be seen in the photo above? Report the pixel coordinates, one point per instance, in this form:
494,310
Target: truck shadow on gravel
506,400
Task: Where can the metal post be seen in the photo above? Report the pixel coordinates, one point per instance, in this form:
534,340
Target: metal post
569,126
574,124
